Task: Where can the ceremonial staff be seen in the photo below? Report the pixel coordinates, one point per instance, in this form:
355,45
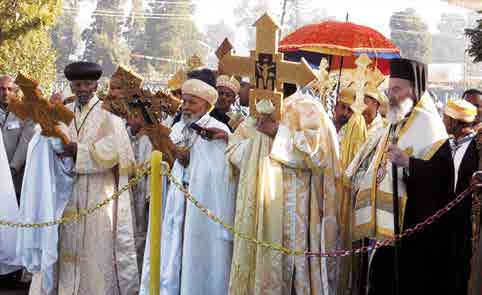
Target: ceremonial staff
396,219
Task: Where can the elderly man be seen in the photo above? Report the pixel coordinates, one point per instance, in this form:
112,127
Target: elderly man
96,254
16,133
196,252
417,143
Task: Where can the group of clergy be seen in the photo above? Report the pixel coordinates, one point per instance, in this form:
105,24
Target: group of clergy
290,187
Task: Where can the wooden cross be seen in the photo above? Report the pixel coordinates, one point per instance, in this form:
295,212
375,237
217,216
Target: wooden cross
33,106
265,67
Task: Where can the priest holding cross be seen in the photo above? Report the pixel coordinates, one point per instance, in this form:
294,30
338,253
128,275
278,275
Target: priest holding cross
95,255
287,160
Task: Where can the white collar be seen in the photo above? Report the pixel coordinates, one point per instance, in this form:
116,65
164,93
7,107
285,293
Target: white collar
93,101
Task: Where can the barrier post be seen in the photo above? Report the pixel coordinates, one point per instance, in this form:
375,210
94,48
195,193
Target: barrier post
155,223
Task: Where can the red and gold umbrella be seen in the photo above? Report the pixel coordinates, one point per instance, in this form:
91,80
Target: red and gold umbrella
343,41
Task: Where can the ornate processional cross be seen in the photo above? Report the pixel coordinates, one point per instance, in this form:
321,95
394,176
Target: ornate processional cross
33,106
265,67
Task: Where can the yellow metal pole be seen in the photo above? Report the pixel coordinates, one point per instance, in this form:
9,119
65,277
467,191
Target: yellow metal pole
155,221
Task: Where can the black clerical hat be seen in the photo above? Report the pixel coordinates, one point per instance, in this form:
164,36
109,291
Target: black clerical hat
83,70
410,70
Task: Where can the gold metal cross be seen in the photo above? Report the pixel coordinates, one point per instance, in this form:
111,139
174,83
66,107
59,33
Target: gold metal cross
265,67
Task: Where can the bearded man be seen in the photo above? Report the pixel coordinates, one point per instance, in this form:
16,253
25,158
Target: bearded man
196,252
417,143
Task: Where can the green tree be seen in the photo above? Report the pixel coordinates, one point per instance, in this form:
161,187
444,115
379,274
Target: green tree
65,35
475,38
170,35
411,35
135,35
24,38
103,40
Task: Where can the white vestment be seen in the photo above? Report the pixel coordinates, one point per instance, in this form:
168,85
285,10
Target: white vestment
196,252
8,212
97,253
46,190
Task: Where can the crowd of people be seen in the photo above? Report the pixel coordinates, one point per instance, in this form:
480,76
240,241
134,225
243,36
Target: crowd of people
292,188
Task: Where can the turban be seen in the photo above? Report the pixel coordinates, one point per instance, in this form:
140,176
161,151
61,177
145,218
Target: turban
461,110
83,70
200,89
410,70
228,82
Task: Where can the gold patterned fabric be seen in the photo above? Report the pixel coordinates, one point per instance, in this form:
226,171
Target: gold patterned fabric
373,216
354,134
97,254
286,195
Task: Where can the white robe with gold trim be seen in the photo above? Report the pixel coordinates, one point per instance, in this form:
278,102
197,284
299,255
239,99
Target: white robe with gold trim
97,254
287,195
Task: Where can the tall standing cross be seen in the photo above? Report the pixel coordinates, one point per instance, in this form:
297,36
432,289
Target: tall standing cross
265,67
33,106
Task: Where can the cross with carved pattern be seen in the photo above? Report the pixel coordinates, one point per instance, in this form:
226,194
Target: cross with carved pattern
33,106
265,66
360,79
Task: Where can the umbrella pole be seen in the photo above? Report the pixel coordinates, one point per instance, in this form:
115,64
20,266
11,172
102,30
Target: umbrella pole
341,69
396,224
339,79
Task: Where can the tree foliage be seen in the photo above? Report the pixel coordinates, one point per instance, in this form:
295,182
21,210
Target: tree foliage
475,37
103,40
175,36
65,35
24,38
302,12
411,35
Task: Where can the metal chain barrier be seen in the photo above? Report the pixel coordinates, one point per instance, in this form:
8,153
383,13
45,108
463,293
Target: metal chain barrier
298,252
273,246
84,212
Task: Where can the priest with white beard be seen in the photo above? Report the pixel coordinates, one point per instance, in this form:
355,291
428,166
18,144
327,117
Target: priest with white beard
195,251
417,143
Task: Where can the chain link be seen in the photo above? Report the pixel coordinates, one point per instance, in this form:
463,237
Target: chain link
269,245
83,212
298,252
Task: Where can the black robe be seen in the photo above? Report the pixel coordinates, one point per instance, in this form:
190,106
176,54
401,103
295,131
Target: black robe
428,260
468,166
